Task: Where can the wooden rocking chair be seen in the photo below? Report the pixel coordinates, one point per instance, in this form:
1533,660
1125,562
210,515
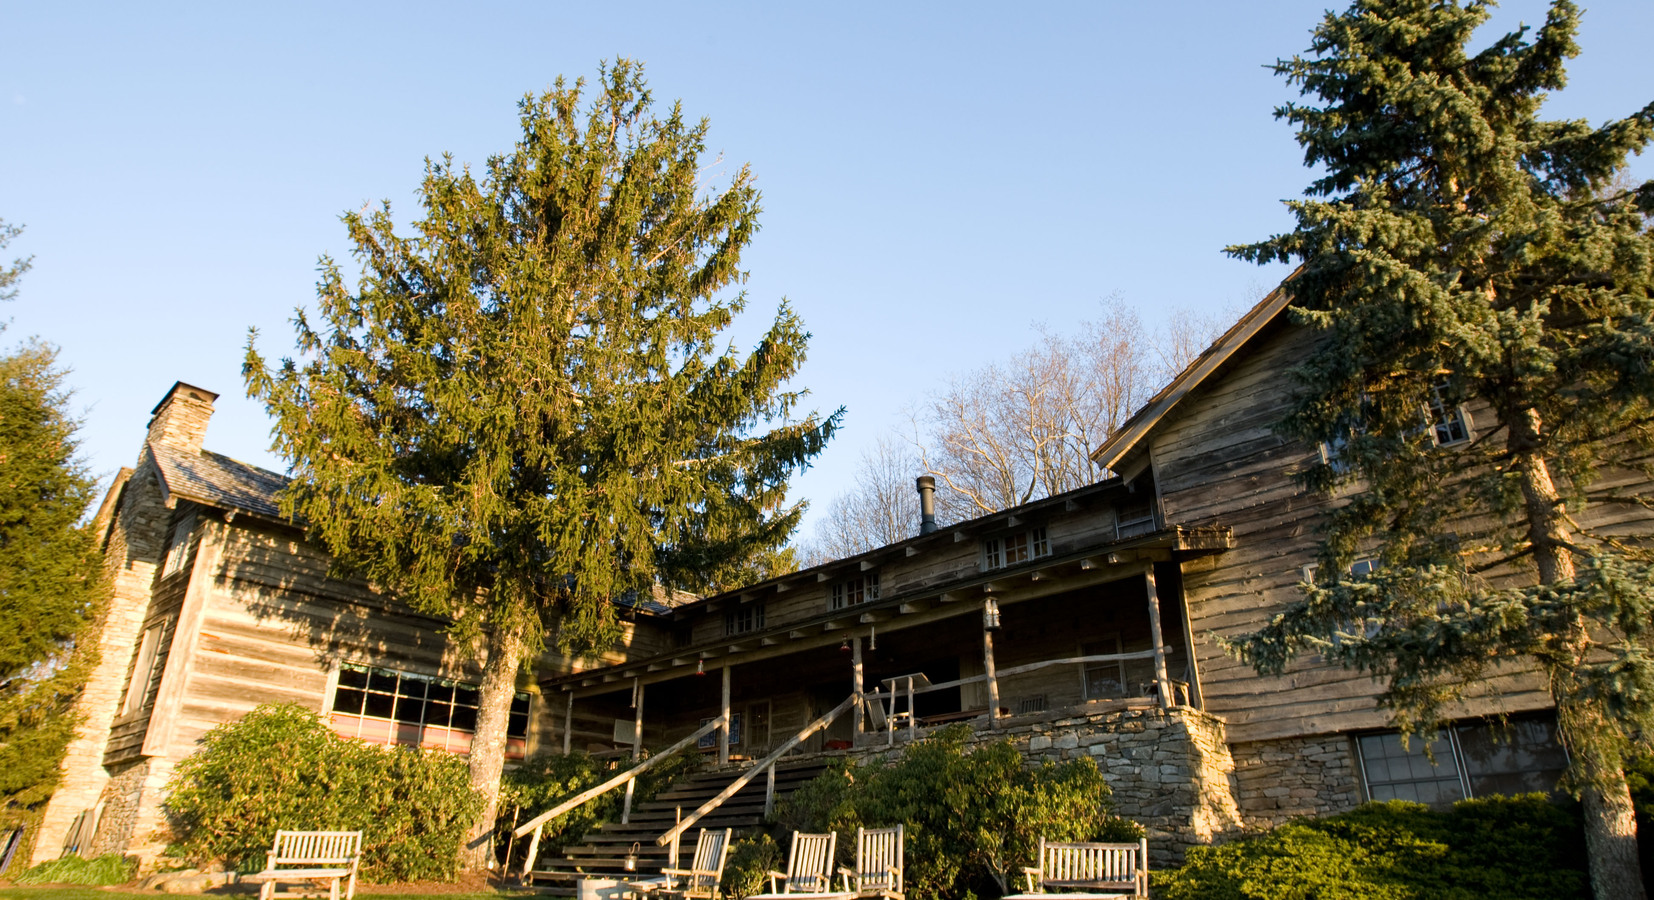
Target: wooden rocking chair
878,871
700,880
809,869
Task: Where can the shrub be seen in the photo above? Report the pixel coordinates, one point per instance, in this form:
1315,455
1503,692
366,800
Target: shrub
746,871
281,767
541,782
973,819
1498,848
105,870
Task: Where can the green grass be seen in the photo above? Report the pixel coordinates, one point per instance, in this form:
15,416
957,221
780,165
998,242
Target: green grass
85,893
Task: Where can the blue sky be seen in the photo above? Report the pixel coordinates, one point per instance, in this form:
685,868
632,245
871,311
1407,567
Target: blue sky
938,179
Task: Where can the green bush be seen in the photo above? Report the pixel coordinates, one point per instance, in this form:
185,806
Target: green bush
746,871
281,767
543,781
105,870
973,819
1498,848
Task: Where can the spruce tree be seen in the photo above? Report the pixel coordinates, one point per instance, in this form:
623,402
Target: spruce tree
1459,249
50,571
522,413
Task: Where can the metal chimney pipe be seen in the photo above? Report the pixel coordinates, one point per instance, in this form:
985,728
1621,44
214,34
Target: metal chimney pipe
927,504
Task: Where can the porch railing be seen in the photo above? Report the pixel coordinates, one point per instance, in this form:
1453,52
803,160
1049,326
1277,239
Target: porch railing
537,824
764,766
905,685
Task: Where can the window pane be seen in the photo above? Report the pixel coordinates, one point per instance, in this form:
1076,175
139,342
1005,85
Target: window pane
465,695
517,726
1522,758
410,709
437,713
347,700
1397,773
353,676
379,705
442,691
464,718
519,704
381,680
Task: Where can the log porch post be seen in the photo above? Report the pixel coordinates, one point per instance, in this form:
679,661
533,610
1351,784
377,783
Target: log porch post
988,669
856,686
1160,677
568,727
723,733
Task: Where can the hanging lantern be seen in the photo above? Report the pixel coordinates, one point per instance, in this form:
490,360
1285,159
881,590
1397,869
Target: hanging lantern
631,858
990,615
700,666
872,638
845,646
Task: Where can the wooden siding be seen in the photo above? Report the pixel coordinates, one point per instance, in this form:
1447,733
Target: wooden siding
127,733
1217,461
272,625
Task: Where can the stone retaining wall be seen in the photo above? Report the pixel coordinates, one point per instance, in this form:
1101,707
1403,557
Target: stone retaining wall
1281,779
1170,769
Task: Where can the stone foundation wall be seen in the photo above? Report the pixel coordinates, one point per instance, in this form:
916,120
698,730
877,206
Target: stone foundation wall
1281,779
1169,769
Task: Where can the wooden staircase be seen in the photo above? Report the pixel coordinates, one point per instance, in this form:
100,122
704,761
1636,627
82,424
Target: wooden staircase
602,854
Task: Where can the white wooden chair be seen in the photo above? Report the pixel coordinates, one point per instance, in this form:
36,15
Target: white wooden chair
311,856
701,879
878,871
809,868
1087,871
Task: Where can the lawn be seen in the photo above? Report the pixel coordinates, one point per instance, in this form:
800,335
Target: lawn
49,892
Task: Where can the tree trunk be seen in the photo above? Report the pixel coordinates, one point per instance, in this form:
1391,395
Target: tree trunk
499,685
1610,824
1611,839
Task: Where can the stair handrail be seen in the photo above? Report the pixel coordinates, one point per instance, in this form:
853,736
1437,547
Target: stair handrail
537,823
763,765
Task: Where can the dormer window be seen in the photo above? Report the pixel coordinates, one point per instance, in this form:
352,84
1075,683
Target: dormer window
1134,516
854,591
1012,549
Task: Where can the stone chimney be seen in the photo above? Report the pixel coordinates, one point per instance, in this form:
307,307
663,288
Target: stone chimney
180,420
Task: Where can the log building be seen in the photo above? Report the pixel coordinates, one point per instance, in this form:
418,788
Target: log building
1079,624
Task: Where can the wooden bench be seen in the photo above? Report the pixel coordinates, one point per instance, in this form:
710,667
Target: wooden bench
1084,870
311,856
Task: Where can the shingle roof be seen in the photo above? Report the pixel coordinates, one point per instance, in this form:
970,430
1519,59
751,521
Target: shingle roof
215,480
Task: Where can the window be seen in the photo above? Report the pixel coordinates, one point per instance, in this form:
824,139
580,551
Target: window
383,706
143,669
1134,517
855,591
1448,423
1011,549
1104,680
744,620
178,546
1358,570
1471,759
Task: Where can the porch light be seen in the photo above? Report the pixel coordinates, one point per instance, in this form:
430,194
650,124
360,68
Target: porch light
844,647
990,615
872,638
700,666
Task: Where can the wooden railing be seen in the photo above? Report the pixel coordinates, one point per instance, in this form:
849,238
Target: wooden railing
765,765
537,824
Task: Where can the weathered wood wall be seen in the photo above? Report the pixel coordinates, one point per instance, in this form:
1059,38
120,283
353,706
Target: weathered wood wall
1218,461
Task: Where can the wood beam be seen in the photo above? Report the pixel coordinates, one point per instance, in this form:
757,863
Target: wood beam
1158,640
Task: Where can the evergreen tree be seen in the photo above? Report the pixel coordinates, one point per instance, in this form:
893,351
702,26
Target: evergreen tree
50,572
522,414
1460,249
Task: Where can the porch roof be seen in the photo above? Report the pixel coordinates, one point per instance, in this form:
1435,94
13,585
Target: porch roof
1105,561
